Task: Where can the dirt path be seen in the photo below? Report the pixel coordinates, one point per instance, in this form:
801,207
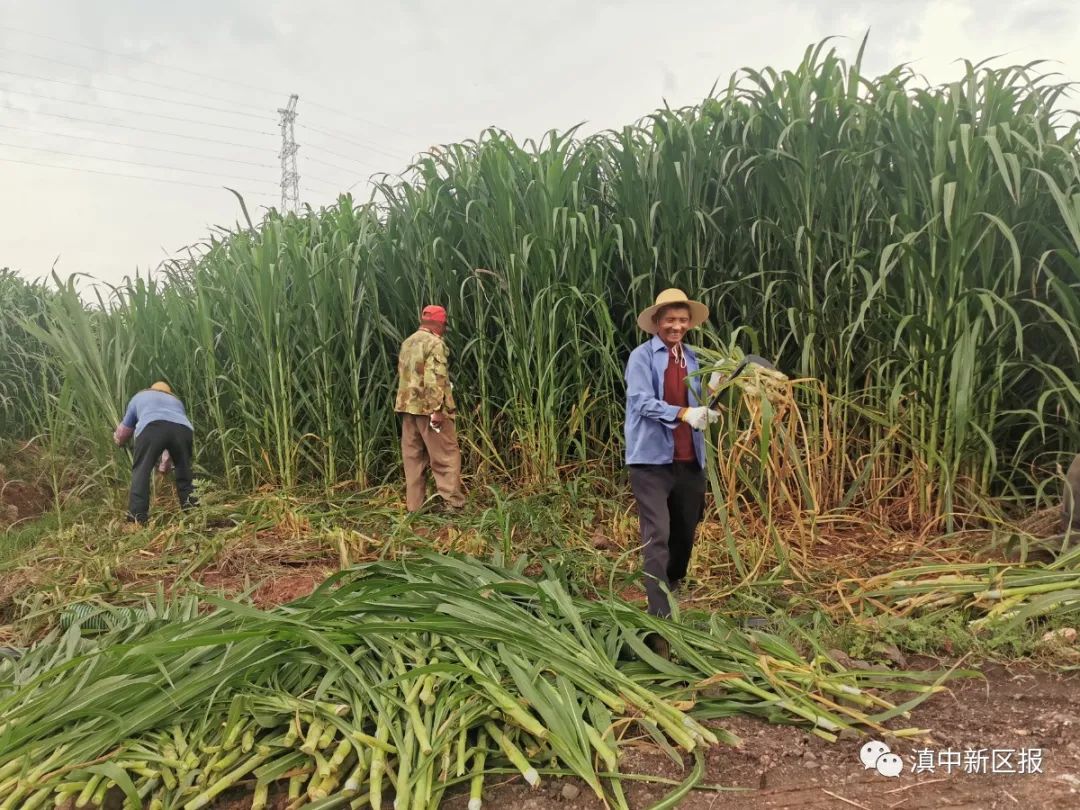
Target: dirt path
782,767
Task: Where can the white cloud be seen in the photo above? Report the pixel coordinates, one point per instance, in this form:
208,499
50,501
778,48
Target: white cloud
1016,33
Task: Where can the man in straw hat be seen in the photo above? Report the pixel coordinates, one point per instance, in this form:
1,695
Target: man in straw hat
426,402
665,446
156,417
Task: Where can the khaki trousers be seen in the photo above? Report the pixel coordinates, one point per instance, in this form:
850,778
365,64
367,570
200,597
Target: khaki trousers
422,447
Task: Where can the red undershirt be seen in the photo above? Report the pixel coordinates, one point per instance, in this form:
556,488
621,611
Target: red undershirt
676,393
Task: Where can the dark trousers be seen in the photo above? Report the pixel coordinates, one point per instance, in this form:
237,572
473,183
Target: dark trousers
671,503
149,444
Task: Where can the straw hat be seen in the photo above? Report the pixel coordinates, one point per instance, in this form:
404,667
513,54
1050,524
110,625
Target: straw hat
161,386
699,313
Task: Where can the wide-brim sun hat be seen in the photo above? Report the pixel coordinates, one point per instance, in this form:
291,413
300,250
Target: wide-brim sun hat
161,386
699,313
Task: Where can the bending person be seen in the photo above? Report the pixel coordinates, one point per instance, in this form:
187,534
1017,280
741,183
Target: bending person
157,420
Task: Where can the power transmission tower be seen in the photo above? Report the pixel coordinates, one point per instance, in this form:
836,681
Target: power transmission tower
290,175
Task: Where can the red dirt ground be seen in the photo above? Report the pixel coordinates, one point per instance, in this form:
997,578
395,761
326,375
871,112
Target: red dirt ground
283,586
19,500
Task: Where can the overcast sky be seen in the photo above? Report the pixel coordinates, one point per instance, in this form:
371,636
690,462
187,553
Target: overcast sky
378,82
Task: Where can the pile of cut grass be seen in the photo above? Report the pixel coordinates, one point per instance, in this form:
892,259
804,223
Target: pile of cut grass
405,677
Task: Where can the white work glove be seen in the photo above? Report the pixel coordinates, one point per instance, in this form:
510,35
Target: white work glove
713,385
699,417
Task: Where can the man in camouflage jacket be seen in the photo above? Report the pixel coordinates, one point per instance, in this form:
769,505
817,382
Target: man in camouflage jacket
426,402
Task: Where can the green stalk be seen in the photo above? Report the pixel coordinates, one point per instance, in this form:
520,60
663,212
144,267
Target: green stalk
260,797
513,753
314,735
225,782
476,784
378,763
88,792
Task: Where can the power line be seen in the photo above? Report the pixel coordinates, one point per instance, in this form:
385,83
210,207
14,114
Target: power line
138,59
118,174
167,101
129,162
362,144
247,146
358,182
330,165
311,146
243,85
133,79
133,95
137,146
333,183
367,121
137,112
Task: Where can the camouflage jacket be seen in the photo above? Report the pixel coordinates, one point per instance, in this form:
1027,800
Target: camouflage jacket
423,376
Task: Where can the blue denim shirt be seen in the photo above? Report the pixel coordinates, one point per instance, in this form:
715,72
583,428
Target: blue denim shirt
650,421
153,406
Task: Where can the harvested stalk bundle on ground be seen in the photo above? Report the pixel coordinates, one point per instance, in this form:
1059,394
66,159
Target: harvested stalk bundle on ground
403,679
998,594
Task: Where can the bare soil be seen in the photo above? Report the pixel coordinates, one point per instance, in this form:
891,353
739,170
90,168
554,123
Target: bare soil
19,499
270,591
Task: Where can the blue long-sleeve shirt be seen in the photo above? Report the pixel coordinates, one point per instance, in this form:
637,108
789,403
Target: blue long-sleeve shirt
650,421
153,406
